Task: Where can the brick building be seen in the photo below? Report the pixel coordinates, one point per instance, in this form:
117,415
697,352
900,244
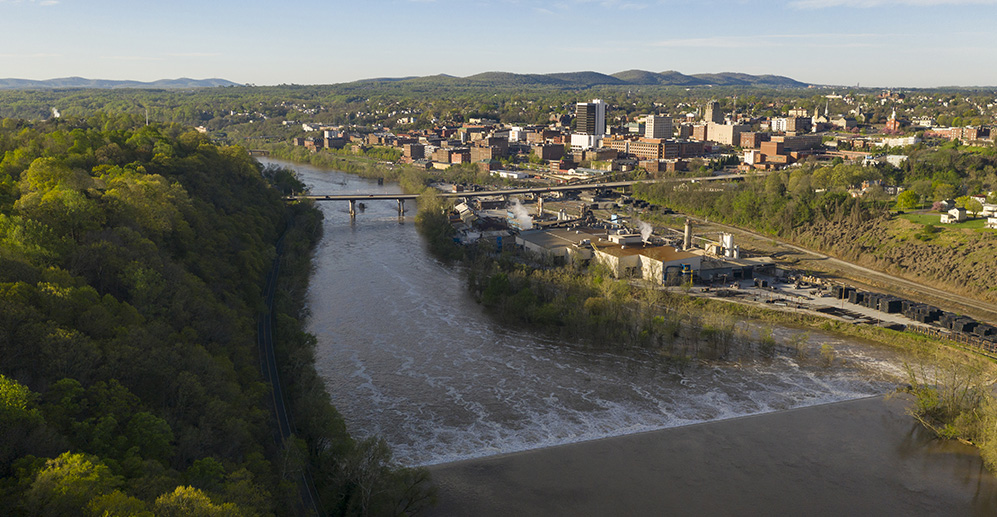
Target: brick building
548,152
753,140
700,132
414,151
481,153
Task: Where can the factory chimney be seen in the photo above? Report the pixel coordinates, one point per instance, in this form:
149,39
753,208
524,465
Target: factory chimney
687,241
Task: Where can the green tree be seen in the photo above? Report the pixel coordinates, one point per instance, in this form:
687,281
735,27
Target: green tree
23,429
67,484
118,504
151,435
923,188
971,205
60,197
15,400
908,200
943,191
187,501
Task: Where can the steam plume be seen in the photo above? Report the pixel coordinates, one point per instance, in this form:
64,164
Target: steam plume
645,230
522,214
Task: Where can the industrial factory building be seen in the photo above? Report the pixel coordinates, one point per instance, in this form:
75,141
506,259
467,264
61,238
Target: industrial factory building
569,245
629,255
632,255
623,251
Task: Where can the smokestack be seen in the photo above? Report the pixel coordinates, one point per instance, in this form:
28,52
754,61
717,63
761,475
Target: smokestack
540,205
687,241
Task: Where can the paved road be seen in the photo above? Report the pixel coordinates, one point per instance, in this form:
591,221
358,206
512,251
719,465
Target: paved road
525,190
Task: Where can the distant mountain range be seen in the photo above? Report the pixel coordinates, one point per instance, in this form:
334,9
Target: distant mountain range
486,79
80,82
591,79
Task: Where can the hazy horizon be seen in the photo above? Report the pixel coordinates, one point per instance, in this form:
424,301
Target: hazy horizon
217,78
875,43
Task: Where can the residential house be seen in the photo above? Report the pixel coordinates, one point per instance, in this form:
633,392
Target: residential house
954,215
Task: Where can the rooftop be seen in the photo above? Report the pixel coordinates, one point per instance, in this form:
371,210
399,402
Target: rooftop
560,237
662,253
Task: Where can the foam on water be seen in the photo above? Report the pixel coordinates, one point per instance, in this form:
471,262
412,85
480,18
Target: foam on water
408,355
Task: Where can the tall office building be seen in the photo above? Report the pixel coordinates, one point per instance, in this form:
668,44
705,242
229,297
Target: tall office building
658,126
591,117
590,124
713,113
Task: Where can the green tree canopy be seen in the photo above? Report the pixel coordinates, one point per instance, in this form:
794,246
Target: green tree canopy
908,200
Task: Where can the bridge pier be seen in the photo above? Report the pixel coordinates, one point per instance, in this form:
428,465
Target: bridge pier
353,208
401,207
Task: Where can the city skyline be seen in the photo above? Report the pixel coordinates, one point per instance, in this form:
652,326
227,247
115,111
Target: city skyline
875,43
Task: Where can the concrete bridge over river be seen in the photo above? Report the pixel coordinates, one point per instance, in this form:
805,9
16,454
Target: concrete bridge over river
353,198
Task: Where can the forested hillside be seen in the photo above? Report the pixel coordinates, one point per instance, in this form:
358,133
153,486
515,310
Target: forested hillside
811,206
131,268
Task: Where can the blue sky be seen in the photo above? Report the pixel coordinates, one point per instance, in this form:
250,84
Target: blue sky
915,43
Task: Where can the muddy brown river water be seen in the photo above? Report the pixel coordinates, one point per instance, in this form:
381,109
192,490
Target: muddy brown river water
407,354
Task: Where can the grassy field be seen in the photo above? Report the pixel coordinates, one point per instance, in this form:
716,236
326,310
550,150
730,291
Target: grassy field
921,218
972,224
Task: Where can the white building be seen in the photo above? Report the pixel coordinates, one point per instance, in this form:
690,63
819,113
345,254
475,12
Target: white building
895,159
899,142
955,215
726,134
518,134
584,142
515,175
590,124
658,126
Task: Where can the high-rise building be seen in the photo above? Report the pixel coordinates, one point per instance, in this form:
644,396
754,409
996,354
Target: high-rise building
713,113
658,126
590,124
591,118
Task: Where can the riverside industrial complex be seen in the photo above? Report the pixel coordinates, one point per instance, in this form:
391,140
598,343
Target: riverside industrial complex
603,227
597,224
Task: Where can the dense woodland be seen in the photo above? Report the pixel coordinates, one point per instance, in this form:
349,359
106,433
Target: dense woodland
132,261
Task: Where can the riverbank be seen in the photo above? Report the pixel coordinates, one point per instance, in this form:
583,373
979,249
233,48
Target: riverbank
337,474
858,457
444,382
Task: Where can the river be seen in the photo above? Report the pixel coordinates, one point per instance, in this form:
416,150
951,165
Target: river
408,355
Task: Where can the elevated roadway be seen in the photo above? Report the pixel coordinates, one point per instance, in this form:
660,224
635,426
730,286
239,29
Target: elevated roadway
352,198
